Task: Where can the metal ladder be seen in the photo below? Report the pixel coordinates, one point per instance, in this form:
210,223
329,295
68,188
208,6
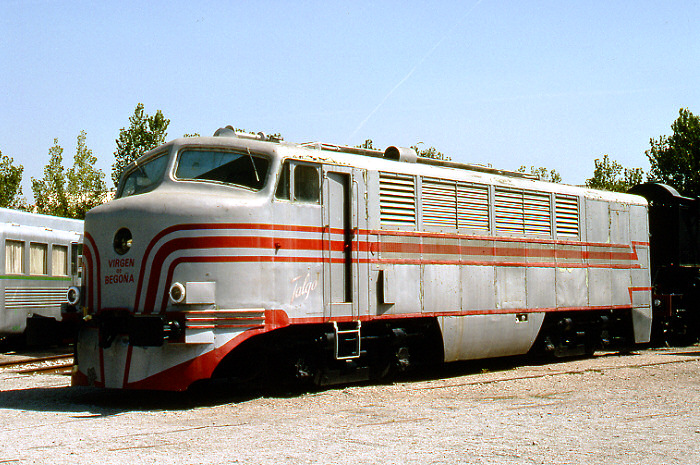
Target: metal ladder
347,340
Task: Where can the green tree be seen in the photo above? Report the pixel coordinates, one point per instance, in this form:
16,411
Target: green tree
50,191
611,176
542,173
274,137
70,193
143,134
10,183
430,152
86,186
367,144
675,159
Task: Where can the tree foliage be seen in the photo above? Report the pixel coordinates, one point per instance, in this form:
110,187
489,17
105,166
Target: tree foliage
275,137
144,133
10,183
675,159
70,193
367,144
50,191
542,173
86,185
430,152
611,176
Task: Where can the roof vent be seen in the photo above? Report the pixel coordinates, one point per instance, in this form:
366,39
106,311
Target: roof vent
228,131
401,154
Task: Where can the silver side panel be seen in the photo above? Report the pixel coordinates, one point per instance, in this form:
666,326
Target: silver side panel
483,336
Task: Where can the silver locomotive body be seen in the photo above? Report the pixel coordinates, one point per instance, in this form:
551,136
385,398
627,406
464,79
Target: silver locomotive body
225,255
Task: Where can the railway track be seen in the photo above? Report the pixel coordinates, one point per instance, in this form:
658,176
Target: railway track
61,363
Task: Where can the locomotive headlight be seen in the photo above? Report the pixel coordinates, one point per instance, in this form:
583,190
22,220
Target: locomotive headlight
177,293
122,241
73,295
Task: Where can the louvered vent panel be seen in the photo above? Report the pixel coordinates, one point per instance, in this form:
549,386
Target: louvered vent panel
567,216
23,297
538,218
439,203
473,206
509,211
397,199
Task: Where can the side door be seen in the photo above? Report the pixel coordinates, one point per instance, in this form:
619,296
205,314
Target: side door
341,243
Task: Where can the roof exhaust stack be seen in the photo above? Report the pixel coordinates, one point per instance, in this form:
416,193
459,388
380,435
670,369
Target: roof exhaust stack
228,131
401,154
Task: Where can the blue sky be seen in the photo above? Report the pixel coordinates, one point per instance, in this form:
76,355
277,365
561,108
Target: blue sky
510,83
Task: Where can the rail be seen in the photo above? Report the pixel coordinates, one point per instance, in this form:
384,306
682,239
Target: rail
47,364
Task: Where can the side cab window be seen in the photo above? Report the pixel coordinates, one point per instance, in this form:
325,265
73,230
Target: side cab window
299,183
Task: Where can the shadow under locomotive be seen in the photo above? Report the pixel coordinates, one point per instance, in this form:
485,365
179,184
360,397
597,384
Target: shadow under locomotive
88,402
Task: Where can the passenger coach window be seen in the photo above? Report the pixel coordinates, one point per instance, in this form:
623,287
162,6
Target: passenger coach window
76,253
241,169
37,258
59,260
14,257
307,186
145,177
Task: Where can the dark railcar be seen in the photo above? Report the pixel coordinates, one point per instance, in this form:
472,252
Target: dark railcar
674,227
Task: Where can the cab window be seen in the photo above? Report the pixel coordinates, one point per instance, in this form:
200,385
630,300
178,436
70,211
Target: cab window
307,186
283,190
299,182
144,178
235,168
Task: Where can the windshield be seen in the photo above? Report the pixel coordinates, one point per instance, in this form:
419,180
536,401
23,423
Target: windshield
242,169
145,177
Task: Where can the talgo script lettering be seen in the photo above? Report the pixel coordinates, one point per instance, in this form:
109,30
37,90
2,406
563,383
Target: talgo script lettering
303,288
119,271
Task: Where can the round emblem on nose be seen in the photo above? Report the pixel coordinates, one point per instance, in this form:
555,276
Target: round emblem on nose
122,241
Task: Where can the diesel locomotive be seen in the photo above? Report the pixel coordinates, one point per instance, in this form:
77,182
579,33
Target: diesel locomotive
239,254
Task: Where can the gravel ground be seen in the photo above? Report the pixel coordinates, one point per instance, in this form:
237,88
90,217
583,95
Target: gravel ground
641,408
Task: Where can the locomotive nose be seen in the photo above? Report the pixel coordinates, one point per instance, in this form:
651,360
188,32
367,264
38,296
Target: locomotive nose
114,240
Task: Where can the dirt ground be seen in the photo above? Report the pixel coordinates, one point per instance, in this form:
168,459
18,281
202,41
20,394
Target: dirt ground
642,408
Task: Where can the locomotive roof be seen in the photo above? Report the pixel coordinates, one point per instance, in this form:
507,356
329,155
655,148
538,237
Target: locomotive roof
393,159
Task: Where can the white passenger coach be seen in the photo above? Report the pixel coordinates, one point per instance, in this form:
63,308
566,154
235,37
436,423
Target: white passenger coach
232,255
40,255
